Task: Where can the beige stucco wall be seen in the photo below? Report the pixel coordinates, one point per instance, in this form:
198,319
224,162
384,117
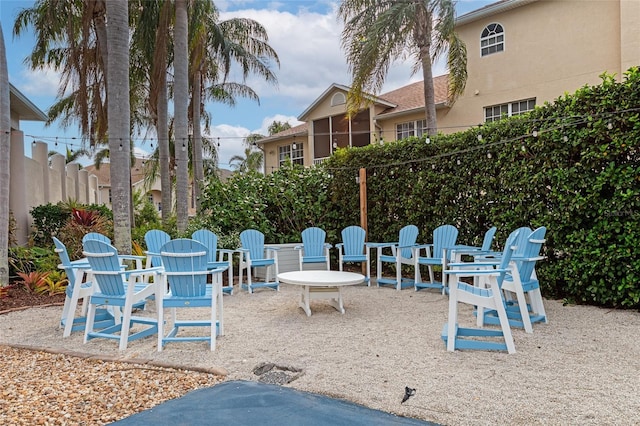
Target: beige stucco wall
551,47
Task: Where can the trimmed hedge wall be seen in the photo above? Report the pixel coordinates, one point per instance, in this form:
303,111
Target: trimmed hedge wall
572,166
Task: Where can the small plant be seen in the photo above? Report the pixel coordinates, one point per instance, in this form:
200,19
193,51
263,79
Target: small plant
32,280
4,291
54,283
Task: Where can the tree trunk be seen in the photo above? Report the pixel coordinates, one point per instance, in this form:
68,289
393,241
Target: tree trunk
5,149
181,105
423,41
163,150
118,111
198,171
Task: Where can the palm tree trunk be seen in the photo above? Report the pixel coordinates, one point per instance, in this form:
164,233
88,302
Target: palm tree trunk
5,149
423,39
198,172
181,105
118,111
163,150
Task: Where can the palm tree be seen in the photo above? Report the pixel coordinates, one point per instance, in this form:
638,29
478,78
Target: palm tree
377,32
151,43
252,161
119,121
71,37
215,48
5,149
181,104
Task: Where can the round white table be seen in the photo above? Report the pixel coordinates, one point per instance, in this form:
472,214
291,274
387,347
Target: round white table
321,285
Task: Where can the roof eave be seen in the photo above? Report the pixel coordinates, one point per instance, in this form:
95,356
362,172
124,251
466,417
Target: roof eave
383,116
26,109
490,10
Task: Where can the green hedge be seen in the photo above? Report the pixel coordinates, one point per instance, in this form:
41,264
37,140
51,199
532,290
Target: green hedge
572,166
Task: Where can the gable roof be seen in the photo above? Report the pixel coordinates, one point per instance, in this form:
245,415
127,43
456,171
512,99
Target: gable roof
330,89
403,100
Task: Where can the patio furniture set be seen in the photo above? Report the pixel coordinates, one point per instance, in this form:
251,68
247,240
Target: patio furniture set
186,273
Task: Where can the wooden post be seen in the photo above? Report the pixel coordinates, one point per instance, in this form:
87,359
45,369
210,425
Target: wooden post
363,207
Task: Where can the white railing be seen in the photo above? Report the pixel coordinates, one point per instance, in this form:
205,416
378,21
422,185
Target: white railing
319,160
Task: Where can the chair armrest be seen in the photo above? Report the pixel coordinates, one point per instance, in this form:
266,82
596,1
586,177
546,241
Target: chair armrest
297,247
475,272
528,259
382,245
227,251
131,257
271,248
339,245
327,245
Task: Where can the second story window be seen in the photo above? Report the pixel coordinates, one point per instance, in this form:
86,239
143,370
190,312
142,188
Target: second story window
287,151
492,39
496,112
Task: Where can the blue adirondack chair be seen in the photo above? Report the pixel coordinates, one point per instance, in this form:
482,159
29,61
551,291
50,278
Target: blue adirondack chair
527,307
76,291
314,249
437,253
254,254
487,297
186,266
401,254
217,258
154,239
354,249
119,290
96,236
101,237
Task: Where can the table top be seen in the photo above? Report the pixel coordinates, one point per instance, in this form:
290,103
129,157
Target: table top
321,278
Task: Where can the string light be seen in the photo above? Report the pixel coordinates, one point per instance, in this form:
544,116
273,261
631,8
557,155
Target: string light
609,126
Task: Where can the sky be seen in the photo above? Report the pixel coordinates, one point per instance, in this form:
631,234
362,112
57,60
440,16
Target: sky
304,33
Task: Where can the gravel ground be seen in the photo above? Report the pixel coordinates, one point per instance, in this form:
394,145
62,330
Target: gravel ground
580,368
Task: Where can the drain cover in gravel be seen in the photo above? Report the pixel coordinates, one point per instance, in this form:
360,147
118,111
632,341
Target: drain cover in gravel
274,374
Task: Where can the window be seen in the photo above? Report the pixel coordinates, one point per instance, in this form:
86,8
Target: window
338,99
492,39
411,128
496,112
288,152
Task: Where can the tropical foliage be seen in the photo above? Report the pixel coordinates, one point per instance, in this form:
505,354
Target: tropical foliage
378,32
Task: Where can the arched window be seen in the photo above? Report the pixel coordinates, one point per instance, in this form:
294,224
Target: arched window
338,99
492,39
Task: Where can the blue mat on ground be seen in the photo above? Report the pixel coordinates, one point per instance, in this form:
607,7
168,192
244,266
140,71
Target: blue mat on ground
253,403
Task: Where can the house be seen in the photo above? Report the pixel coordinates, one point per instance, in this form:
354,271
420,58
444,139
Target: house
520,53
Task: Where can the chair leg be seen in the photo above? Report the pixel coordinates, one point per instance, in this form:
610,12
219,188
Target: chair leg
89,324
249,288
160,314
126,324
398,274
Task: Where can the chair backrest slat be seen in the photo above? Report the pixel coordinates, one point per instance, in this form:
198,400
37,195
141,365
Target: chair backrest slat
96,236
407,237
353,239
185,255
209,239
313,240
154,239
487,242
253,240
444,236
103,258
531,249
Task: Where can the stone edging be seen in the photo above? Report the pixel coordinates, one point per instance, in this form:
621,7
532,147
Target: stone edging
219,371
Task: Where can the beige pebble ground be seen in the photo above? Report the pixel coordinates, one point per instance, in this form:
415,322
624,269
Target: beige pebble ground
583,367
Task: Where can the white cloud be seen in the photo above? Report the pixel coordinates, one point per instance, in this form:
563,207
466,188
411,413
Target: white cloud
40,83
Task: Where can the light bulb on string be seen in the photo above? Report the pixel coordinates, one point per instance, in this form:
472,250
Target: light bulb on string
534,134
479,137
184,146
609,126
489,155
428,139
218,142
565,138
